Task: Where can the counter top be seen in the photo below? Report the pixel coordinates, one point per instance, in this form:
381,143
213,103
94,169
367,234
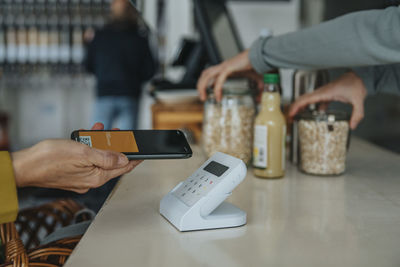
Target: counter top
301,220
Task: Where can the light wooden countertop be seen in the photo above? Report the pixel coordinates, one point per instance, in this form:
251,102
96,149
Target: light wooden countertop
301,220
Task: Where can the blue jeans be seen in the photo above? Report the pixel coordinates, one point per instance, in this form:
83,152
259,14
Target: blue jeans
116,111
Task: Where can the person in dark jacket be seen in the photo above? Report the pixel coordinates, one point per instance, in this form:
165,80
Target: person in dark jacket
120,58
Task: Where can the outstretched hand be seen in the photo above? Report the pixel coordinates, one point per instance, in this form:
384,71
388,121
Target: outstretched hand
349,88
68,165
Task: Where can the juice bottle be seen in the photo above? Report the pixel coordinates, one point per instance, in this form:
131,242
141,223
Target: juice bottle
270,132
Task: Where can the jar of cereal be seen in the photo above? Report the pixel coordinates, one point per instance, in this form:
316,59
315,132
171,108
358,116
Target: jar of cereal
324,137
228,125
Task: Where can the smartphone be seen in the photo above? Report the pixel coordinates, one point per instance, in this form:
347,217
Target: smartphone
138,144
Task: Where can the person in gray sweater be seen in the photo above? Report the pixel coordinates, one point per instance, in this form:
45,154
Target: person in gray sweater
368,42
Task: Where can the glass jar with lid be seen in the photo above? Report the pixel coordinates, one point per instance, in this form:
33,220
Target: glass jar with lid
228,125
324,138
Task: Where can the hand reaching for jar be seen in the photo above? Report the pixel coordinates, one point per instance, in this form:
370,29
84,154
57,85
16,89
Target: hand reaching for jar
217,75
68,165
349,88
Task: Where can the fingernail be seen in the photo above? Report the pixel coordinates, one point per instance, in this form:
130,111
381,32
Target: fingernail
122,160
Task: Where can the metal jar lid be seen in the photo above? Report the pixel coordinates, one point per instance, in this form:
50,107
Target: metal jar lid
328,116
233,86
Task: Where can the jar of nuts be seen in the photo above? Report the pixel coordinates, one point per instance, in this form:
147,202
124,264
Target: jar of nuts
323,142
228,125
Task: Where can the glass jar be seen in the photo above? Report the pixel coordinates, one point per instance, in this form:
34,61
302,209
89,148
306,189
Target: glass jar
228,125
323,142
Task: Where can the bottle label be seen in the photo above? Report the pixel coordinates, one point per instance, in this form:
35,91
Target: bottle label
283,147
260,147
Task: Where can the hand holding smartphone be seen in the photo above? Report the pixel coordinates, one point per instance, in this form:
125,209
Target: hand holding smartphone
138,144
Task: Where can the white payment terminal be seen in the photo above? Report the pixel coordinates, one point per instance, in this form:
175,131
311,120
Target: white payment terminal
197,203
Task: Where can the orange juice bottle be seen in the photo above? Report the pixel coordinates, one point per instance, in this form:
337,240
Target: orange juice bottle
270,132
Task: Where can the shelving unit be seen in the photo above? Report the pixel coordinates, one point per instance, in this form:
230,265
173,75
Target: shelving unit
47,33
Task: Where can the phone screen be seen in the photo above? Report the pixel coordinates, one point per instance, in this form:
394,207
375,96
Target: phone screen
120,141
136,142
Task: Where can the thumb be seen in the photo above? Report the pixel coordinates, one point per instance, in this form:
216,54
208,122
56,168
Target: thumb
106,159
357,114
98,126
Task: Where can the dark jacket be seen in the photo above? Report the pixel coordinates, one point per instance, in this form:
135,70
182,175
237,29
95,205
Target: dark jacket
121,60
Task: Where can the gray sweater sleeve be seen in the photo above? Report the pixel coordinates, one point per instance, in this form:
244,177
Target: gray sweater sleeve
378,79
358,39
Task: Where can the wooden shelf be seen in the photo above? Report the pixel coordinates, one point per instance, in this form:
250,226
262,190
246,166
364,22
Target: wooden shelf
178,116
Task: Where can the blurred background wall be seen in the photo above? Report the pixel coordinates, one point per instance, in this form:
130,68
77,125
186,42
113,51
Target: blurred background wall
47,94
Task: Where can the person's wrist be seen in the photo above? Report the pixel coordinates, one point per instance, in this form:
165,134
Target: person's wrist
358,83
23,166
354,77
247,61
18,167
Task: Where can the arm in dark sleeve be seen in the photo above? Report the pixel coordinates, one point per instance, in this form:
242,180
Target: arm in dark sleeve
88,61
149,65
362,38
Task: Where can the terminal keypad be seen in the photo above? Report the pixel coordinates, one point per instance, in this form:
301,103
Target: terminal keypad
196,186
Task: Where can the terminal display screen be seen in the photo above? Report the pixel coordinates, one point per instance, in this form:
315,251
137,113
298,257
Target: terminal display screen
216,168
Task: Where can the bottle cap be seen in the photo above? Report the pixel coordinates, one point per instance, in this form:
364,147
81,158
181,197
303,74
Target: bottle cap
271,78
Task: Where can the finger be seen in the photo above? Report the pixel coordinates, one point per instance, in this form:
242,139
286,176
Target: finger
106,159
98,126
110,174
219,84
77,190
298,105
200,87
357,114
306,100
204,81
